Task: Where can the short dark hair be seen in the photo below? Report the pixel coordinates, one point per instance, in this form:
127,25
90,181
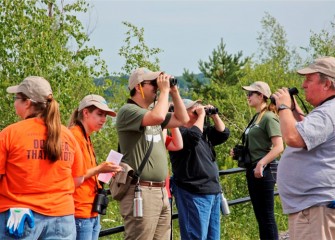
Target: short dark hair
132,92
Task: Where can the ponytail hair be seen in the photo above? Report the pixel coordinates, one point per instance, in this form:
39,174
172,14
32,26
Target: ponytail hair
49,112
271,106
51,116
77,116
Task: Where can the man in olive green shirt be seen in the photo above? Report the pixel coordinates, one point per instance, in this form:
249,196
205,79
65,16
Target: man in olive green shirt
137,127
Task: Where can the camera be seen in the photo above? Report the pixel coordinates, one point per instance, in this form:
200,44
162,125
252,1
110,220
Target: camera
238,152
242,155
100,202
211,111
292,91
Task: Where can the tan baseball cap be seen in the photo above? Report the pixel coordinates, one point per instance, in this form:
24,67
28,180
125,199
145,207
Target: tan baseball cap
259,86
140,75
325,65
98,101
190,103
35,88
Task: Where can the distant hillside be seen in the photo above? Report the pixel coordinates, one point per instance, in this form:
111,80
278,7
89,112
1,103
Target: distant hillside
123,80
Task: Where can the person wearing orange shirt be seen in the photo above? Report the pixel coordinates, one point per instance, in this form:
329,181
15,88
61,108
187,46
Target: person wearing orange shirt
89,117
40,166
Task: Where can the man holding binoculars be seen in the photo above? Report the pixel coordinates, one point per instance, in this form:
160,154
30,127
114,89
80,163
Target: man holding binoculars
306,172
195,182
140,133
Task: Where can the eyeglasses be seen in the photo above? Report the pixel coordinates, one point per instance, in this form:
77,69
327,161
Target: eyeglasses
152,83
250,93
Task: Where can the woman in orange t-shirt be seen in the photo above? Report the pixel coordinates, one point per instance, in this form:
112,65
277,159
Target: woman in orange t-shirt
40,165
89,117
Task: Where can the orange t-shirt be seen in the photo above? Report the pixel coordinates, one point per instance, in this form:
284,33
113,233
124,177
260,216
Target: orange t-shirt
85,193
29,179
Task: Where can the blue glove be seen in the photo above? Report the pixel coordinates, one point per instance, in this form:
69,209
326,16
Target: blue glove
16,221
331,204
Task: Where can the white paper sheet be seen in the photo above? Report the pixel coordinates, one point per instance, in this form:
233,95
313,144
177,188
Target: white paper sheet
114,157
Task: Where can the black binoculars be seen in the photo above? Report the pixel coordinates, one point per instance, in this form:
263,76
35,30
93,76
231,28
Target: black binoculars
173,81
211,111
292,91
100,202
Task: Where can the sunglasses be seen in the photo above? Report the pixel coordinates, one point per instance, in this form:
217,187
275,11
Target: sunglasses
152,83
250,93
17,97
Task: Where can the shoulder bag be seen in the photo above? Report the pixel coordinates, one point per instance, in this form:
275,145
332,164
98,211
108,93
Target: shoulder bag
121,182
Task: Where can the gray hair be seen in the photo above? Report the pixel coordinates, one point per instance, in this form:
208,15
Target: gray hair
324,77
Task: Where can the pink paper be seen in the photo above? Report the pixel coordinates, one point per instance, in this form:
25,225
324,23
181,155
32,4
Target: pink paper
115,157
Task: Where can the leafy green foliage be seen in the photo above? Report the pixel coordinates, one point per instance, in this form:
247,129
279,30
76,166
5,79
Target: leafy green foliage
45,39
322,44
273,44
136,52
41,37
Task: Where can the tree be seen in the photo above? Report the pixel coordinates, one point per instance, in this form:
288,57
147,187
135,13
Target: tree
273,45
323,43
46,39
136,52
220,74
223,67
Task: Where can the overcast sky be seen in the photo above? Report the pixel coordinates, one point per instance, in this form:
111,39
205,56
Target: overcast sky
188,31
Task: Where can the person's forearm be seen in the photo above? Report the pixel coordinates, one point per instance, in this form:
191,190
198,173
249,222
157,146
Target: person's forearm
289,132
162,106
218,123
274,153
179,108
298,114
177,139
297,111
200,123
91,172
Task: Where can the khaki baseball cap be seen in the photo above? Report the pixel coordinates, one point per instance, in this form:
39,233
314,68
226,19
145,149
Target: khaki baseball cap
259,86
35,88
98,101
325,65
140,75
190,103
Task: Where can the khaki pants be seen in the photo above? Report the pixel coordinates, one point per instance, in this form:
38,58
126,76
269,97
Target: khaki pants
156,220
314,223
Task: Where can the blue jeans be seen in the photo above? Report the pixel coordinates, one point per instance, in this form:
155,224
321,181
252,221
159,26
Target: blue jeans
46,227
88,228
198,215
261,192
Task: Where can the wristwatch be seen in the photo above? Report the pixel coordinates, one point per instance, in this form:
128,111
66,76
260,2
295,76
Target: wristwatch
282,107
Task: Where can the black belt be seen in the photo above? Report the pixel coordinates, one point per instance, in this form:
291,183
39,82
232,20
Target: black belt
148,183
